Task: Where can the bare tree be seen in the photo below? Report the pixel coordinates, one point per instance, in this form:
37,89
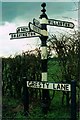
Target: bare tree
67,50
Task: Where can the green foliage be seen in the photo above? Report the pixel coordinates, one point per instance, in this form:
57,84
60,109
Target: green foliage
67,51
14,69
54,71
56,110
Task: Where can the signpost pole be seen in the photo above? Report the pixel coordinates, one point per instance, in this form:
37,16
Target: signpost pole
45,93
73,100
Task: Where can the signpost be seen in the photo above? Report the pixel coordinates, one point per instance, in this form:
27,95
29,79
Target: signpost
39,29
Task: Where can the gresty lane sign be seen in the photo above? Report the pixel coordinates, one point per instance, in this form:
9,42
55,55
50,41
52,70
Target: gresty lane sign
60,23
49,85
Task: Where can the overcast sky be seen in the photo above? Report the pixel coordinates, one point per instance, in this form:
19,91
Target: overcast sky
16,14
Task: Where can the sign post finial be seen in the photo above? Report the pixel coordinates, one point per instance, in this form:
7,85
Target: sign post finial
43,5
43,15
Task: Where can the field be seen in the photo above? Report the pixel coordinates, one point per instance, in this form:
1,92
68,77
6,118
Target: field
13,108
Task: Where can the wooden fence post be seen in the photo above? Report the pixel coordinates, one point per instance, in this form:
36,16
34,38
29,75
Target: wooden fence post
73,100
25,97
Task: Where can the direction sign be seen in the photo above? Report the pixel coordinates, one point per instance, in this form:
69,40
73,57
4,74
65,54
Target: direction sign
37,29
23,35
49,85
36,22
60,23
22,29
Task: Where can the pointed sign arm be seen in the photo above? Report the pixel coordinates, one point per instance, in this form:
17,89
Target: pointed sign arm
60,23
37,30
24,35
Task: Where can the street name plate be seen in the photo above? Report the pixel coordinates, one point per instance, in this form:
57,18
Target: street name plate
37,30
60,23
23,35
22,29
49,85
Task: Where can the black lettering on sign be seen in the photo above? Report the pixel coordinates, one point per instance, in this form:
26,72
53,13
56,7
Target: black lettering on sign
58,86
22,29
67,87
32,83
63,86
28,83
14,36
47,85
35,84
18,30
43,84
39,85
11,35
60,23
54,86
